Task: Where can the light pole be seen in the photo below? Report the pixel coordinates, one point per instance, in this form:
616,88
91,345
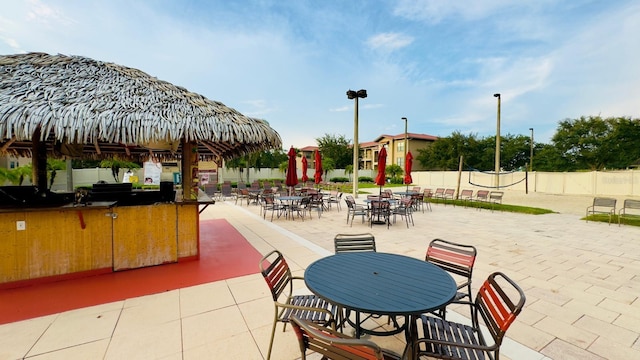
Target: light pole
531,154
498,145
351,94
405,143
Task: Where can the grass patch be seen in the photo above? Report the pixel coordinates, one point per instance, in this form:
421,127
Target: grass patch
632,220
496,207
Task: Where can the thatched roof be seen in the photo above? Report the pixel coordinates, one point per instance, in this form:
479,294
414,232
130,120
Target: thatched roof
107,109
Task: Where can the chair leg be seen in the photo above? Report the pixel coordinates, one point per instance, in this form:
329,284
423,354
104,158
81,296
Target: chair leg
273,332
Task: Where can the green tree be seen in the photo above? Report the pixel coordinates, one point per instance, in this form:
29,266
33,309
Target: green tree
328,164
514,152
548,158
53,165
348,170
395,172
580,140
8,175
336,147
444,153
116,164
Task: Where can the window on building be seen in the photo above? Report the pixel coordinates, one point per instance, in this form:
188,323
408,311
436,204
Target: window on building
401,146
400,161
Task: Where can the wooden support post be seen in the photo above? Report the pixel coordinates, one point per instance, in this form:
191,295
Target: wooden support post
190,178
39,161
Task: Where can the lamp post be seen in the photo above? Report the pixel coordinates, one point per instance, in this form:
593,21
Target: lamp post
498,145
405,143
351,94
531,153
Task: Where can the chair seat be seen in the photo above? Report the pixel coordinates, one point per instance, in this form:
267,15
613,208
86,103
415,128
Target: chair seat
309,301
437,329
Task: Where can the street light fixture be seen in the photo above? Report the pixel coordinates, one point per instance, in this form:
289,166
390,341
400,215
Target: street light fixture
531,154
498,145
352,94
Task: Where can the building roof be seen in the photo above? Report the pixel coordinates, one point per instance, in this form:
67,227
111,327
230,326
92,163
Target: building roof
409,136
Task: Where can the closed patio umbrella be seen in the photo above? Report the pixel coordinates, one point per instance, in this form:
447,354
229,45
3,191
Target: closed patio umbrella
318,174
292,172
407,169
305,164
381,178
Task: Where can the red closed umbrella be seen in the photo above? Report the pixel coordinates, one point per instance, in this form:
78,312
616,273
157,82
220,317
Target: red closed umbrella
381,178
292,172
408,163
318,174
305,178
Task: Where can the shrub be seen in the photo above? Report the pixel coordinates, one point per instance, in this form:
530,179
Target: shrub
365,179
339,180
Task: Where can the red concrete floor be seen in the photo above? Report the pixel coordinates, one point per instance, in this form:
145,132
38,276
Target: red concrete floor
224,254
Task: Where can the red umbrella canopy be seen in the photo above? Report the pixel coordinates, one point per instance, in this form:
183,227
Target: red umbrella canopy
292,172
318,174
305,178
408,163
381,179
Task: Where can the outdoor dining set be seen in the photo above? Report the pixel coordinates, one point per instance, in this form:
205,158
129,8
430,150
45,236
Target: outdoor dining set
361,291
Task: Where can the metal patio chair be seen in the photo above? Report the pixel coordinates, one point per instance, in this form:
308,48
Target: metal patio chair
456,259
354,209
335,345
276,273
354,242
497,304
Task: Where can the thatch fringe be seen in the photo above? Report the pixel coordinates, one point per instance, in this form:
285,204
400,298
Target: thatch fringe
78,100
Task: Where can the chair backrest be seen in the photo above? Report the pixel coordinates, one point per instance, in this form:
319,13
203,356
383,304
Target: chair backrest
415,189
482,194
498,303
226,189
268,199
331,344
354,242
276,273
452,257
242,185
603,201
379,207
466,193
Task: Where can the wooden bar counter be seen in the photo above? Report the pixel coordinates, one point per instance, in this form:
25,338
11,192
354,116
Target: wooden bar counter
43,244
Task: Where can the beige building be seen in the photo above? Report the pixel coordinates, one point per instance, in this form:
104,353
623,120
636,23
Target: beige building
395,149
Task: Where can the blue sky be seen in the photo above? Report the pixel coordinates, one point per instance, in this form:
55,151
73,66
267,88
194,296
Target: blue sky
290,62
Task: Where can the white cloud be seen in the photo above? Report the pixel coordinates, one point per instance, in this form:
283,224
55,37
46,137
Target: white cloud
46,15
389,41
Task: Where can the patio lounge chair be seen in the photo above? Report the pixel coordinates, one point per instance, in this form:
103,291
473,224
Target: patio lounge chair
602,205
497,304
276,273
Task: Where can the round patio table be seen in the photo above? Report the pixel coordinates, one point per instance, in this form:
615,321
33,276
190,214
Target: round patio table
381,284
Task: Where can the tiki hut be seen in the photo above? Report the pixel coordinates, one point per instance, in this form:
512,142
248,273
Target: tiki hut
72,106
78,107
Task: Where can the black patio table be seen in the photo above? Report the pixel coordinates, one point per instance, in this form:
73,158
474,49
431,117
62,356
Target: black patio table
381,284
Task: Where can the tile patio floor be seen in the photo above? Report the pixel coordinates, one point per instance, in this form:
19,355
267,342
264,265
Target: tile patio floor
582,282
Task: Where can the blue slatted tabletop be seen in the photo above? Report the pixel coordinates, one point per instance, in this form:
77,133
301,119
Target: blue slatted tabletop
380,283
